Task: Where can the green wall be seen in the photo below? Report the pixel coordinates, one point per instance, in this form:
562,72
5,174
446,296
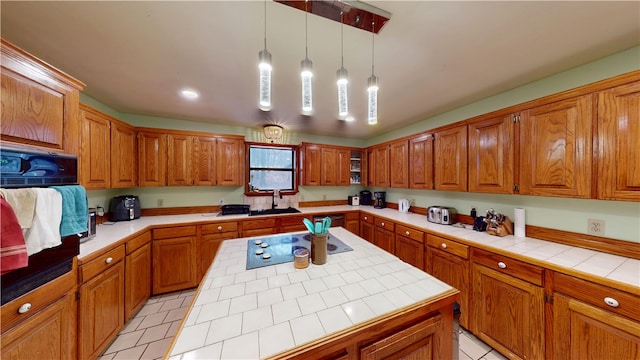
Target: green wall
622,219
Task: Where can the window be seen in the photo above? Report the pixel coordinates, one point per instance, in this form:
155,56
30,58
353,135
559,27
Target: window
271,168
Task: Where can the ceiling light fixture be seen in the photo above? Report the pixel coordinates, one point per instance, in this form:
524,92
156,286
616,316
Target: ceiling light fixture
307,71
343,80
372,86
264,57
272,132
189,94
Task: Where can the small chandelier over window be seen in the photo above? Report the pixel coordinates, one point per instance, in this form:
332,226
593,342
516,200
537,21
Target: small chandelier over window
272,132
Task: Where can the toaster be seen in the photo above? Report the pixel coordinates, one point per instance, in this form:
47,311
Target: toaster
124,207
442,215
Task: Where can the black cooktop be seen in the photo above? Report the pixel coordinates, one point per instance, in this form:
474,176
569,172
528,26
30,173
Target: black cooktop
280,248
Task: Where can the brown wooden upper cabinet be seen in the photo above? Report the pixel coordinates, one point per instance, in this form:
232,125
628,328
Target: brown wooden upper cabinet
491,155
325,165
179,160
311,164
204,165
124,164
421,162
371,167
95,150
451,159
399,164
152,158
381,167
619,143
556,148
39,102
229,161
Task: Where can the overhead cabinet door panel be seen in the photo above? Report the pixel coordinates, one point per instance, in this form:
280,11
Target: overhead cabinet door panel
491,155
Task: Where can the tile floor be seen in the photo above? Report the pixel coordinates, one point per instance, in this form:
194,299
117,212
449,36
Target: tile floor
148,334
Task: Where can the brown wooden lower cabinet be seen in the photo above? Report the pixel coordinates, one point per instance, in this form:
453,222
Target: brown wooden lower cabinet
352,222
415,342
174,264
212,236
258,227
138,279
384,236
367,229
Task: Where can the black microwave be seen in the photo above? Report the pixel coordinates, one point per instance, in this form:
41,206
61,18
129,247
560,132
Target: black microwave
25,167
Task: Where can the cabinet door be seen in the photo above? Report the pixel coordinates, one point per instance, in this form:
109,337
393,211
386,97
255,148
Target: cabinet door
384,239
399,164
49,334
421,341
208,248
152,157
353,226
508,313
138,279
204,161
179,160
555,149
367,231
174,264
101,311
229,161
583,331
330,166
95,150
311,165
124,166
410,251
619,143
343,174
421,162
451,159
453,270
371,167
491,155
382,167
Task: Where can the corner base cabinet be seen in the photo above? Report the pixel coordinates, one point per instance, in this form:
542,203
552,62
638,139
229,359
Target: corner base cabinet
174,259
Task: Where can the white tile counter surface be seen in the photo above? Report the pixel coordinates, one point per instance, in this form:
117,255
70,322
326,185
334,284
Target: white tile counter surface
612,267
251,314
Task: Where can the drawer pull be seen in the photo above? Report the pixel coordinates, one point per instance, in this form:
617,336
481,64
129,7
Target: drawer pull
366,218
382,224
219,228
502,265
444,246
24,308
407,233
611,302
109,260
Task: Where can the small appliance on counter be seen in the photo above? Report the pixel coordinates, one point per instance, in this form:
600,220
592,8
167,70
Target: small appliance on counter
91,226
124,207
353,200
442,215
379,199
403,205
234,209
365,197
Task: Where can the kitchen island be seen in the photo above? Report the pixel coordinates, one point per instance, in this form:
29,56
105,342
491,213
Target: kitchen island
363,303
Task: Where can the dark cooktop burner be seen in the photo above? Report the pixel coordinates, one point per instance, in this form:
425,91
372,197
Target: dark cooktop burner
280,248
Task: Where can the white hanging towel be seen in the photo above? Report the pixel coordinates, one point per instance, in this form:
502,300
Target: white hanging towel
45,230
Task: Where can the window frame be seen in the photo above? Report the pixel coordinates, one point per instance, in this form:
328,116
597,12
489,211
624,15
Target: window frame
295,171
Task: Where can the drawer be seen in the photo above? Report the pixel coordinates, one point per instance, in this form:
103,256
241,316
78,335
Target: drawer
259,224
287,221
352,216
366,218
386,224
448,246
174,232
598,295
220,227
138,241
509,266
96,266
410,233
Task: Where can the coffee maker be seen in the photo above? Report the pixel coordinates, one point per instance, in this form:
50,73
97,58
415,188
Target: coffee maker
379,199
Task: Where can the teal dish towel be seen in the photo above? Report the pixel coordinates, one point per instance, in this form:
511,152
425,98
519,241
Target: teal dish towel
75,210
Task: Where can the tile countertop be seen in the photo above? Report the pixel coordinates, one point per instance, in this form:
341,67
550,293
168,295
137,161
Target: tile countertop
251,314
590,264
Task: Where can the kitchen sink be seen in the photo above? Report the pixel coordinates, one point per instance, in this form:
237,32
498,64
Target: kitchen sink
288,210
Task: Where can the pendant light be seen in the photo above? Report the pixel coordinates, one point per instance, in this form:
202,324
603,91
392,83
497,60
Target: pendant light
264,57
307,70
372,86
343,80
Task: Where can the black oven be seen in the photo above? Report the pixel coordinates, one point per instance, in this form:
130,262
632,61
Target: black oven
22,168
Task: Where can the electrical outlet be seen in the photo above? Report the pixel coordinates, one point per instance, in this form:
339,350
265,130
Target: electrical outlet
595,227
324,196
160,202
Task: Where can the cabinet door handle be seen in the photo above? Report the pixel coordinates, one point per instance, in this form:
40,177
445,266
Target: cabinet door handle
444,246
24,308
502,265
406,233
366,218
219,228
109,260
382,224
611,302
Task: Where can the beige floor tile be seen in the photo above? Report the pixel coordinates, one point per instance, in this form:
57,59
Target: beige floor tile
175,314
124,341
148,309
463,356
173,329
128,354
152,320
494,355
156,349
107,357
473,347
187,300
132,325
154,333
171,304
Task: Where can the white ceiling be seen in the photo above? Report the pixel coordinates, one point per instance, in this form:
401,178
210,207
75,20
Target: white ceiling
430,57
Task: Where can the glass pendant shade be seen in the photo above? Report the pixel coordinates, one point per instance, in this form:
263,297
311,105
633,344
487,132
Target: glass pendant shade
372,91
343,101
307,95
265,79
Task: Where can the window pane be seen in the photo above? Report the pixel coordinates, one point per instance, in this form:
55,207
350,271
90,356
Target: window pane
271,179
272,158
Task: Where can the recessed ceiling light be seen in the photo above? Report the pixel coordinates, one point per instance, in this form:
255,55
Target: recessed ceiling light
189,94
349,118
